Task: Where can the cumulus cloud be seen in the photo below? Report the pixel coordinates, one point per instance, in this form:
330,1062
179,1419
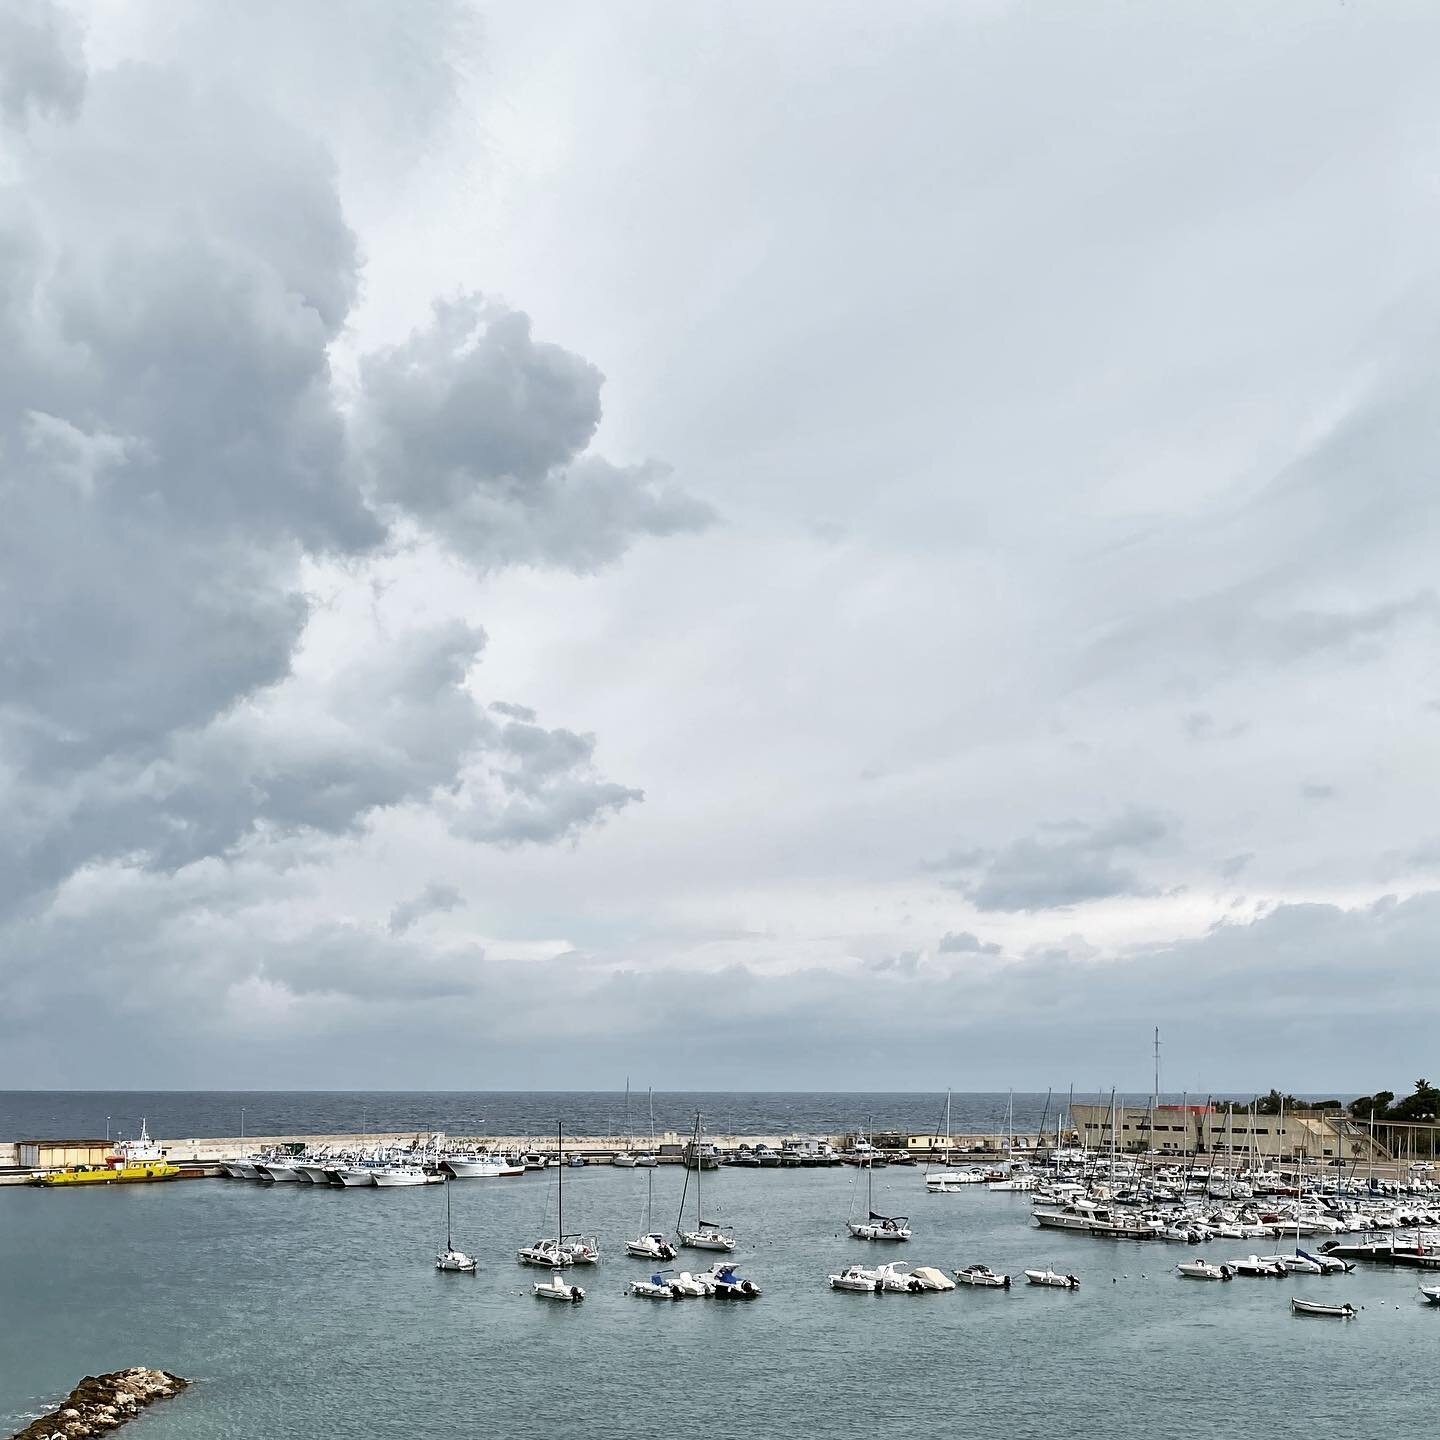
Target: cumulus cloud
182,477
1066,863
480,432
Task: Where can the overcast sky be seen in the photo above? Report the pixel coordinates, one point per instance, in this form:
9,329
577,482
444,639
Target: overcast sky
748,546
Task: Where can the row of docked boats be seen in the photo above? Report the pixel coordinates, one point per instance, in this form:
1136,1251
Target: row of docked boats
899,1278
423,1163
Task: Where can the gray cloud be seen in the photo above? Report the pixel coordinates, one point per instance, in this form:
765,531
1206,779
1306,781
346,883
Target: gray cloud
434,899
962,942
178,468
481,433
1314,790
1234,865
1082,863
42,69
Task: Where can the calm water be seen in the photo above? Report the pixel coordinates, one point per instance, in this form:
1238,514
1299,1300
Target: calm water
315,1311
183,1114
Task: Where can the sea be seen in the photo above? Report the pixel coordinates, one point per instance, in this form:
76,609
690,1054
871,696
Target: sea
299,1310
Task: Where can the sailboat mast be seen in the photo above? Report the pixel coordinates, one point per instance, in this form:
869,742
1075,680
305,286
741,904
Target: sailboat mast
560,1182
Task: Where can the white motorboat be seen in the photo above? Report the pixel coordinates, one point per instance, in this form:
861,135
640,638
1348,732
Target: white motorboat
315,1171
450,1258
727,1285
693,1287
657,1287
391,1177
1313,1307
239,1169
277,1171
1430,1293
1258,1266
707,1234
349,1175
558,1288
582,1249
982,1275
1204,1270
858,1279
547,1254
1053,1279
948,1182
650,1246
481,1166
900,1278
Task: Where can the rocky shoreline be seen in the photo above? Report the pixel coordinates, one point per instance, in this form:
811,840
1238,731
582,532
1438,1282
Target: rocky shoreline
100,1403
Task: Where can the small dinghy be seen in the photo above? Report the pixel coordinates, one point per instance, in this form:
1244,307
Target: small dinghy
1430,1293
982,1275
1053,1279
1205,1270
558,1288
1313,1307
657,1287
857,1279
730,1286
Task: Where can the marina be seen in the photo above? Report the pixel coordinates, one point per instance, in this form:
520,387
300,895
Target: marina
227,1281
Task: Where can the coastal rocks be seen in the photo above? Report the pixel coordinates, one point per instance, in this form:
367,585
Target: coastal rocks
100,1403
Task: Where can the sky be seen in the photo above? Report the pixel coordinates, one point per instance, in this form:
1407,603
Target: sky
810,546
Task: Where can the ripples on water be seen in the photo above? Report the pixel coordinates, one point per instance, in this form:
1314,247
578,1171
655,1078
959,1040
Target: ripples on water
194,1114
315,1311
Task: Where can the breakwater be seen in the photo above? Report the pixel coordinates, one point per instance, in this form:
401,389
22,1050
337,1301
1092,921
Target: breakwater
100,1403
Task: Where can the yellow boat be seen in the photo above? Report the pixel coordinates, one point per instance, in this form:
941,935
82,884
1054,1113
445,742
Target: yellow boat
136,1162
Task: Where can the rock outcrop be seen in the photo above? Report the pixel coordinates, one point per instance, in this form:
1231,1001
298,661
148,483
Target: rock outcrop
99,1403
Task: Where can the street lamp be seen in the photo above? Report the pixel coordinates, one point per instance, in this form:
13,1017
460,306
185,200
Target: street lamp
107,1129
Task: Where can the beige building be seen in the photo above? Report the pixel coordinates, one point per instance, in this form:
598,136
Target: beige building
1202,1130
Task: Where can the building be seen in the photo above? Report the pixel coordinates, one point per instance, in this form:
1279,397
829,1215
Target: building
56,1154
1207,1130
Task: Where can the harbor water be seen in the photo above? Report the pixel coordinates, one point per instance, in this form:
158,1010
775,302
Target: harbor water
301,1310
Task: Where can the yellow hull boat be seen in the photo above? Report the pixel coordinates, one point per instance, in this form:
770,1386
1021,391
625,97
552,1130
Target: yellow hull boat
105,1175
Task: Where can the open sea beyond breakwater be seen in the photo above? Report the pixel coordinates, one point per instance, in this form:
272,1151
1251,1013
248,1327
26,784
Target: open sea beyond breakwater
300,1310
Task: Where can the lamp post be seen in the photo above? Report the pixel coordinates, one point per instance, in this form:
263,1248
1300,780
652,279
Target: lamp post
242,1122
107,1129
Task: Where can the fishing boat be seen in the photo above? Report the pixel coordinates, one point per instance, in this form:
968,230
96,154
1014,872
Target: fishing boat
481,1165
707,1235
858,1279
558,1288
450,1258
982,1275
730,1286
1313,1307
876,1226
1204,1270
1052,1279
650,1244
399,1175
900,1278
134,1162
